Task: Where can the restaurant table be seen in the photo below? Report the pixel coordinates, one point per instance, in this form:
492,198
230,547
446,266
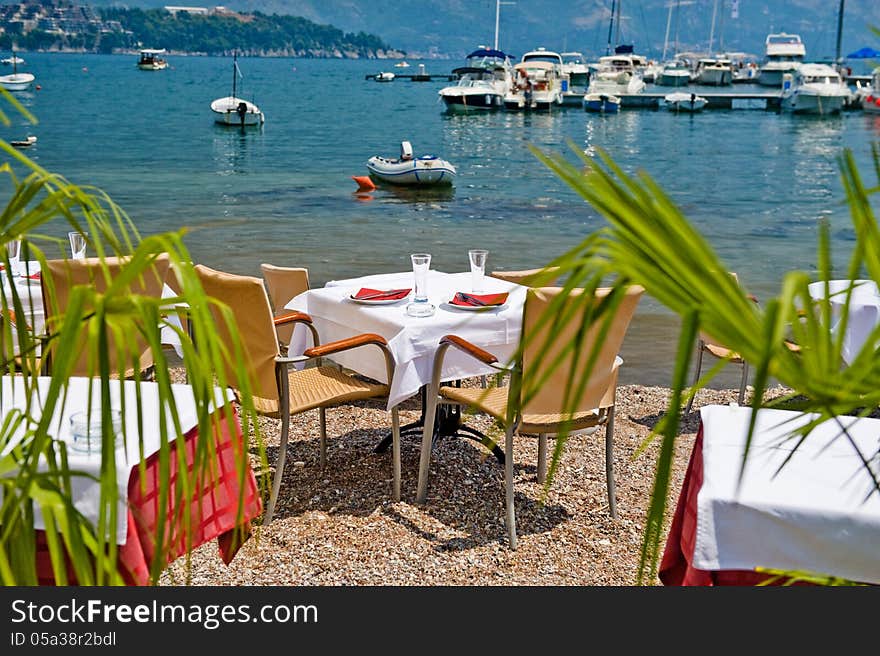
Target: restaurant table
413,341
820,513
227,499
863,315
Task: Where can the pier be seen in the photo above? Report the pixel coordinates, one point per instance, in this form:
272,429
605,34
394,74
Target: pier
416,77
652,100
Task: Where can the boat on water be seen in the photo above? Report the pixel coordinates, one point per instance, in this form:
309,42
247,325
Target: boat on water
744,66
14,59
24,143
871,97
16,81
681,101
714,71
232,110
675,73
384,76
575,67
427,170
401,64
538,81
152,60
784,54
616,75
482,83
814,89
601,103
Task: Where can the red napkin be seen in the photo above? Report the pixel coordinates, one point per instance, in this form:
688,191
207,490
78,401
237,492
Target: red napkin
488,300
33,276
366,293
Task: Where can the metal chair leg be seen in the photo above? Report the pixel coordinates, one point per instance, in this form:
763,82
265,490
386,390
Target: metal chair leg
742,385
508,484
395,451
609,463
322,413
687,410
542,457
427,442
279,468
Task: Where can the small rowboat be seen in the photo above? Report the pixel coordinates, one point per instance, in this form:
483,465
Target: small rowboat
602,103
426,170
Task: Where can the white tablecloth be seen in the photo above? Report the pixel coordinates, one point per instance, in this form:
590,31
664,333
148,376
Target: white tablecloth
864,311
818,514
86,492
412,340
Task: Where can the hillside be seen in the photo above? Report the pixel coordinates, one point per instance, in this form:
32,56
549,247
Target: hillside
453,27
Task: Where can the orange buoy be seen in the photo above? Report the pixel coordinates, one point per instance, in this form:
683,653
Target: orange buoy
364,182
38,87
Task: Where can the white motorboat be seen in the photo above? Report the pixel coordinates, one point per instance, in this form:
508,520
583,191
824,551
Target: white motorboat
427,170
482,83
871,98
575,67
616,75
601,103
24,143
384,76
401,64
13,60
538,81
714,72
744,66
152,60
784,54
17,81
814,89
684,102
233,110
676,73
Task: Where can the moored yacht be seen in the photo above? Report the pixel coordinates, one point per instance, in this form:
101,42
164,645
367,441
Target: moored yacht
871,97
575,67
538,81
616,75
482,83
815,89
714,71
675,73
152,60
785,53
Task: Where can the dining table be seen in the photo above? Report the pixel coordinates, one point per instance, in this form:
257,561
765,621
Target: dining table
412,340
862,314
811,509
227,496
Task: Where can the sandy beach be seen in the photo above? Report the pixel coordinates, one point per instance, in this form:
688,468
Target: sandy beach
339,526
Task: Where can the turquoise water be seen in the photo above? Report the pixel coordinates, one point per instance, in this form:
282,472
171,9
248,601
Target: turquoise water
754,182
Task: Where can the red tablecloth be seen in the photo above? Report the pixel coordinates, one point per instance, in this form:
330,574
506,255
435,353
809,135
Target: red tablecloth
214,510
676,567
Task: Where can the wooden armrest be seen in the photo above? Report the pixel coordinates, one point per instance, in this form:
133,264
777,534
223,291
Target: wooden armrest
471,349
293,316
10,314
345,344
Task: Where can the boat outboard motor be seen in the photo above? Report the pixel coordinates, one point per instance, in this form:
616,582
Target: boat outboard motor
241,110
405,151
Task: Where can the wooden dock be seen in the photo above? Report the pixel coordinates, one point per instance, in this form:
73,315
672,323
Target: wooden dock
652,100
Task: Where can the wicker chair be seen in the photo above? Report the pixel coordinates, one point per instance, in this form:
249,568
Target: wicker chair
283,283
544,413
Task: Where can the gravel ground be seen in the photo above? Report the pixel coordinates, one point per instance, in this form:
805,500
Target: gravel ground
339,526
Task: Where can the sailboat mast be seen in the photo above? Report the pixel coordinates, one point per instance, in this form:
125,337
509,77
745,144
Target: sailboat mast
712,29
666,38
677,17
721,29
839,32
617,33
610,28
234,71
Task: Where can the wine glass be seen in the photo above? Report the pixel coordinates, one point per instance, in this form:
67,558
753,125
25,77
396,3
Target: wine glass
420,306
77,244
477,257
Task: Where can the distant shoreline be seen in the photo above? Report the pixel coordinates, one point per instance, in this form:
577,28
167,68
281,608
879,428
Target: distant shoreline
241,53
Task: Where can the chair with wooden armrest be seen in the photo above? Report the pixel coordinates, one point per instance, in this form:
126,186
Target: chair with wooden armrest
59,277
530,277
283,284
545,412
278,391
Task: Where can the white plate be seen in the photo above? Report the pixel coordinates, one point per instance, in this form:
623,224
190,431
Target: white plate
378,301
474,308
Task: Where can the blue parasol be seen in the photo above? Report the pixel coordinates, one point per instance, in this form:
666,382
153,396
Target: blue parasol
864,53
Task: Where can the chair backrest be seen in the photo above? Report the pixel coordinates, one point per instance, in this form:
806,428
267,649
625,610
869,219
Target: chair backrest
246,297
283,283
706,338
538,356
65,274
527,277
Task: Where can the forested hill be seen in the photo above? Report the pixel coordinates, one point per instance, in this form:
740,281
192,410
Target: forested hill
251,33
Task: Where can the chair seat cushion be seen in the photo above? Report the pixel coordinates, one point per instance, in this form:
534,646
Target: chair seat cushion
493,401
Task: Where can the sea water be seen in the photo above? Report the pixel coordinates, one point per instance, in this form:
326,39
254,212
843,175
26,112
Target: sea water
756,183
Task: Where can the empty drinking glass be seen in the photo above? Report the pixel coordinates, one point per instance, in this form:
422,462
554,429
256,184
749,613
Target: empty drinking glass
420,307
477,257
13,251
77,244
86,430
